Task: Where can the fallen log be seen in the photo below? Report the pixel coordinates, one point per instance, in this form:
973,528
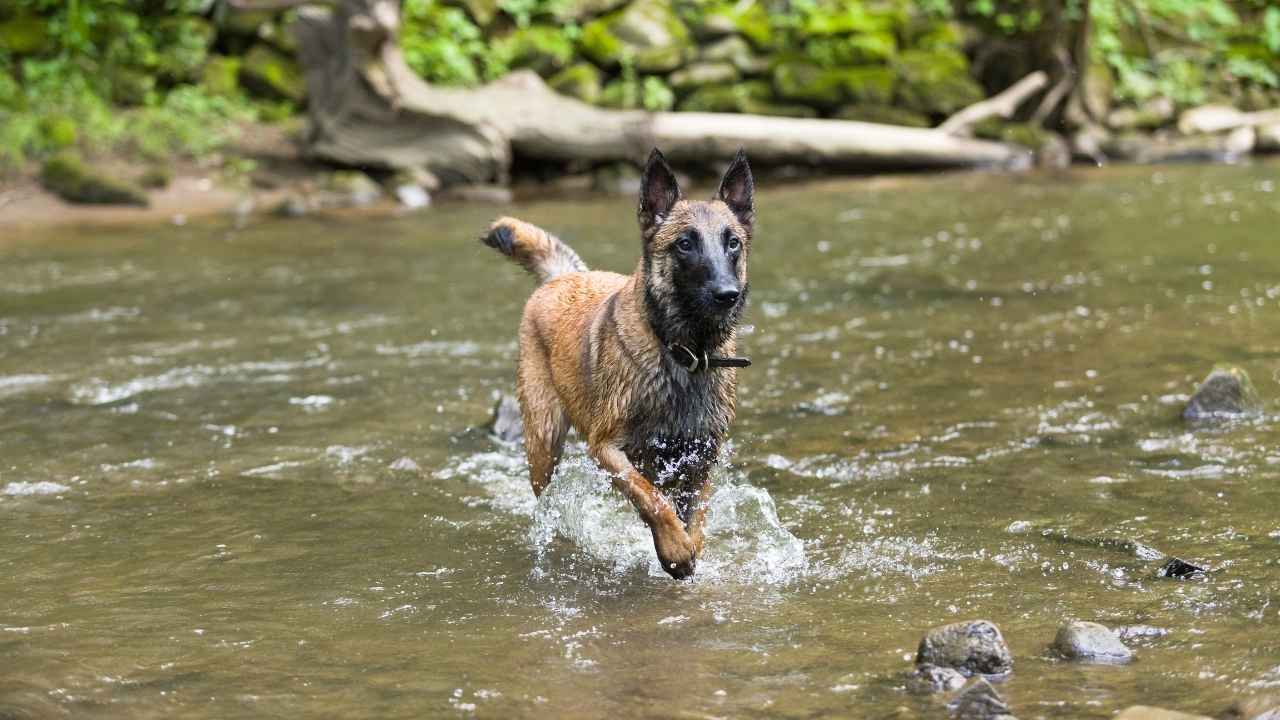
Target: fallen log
368,108
1004,105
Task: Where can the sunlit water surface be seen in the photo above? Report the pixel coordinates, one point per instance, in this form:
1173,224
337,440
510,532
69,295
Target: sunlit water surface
240,475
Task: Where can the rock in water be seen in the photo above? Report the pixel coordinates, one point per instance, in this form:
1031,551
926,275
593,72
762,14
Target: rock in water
1144,712
980,701
971,647
933,679
1226,392
506,424
1262,707
1179,569
67,176
1090,642
1135,632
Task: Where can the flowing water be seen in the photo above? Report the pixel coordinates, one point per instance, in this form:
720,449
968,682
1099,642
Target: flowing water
240,474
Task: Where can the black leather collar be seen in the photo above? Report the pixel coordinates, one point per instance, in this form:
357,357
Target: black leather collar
699,362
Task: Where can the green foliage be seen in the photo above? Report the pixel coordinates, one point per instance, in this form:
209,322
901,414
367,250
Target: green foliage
443,45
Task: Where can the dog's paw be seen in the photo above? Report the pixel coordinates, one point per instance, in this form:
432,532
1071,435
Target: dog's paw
676,551
501,236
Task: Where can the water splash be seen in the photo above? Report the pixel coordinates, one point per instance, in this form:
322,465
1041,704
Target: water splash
745,540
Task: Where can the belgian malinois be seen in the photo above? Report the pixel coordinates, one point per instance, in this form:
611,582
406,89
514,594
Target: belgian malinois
641,365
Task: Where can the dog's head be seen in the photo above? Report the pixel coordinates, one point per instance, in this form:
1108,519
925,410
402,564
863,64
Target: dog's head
695,253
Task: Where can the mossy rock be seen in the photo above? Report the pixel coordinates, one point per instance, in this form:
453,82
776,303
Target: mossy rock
481,11
1027,135
582,10
221,76
737,52
24,34
270,73
829,87
860,49
183,46
540,48
156,177
847,18
931,34
580,80
66,175
129,86
646,31
752,96
885,114
696,75
751,21
59,131
935,81
648,93
1226,392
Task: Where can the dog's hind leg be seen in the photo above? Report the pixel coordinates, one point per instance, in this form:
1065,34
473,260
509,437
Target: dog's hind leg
545,421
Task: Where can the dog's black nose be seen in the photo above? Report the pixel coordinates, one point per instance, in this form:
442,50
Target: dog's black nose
726,295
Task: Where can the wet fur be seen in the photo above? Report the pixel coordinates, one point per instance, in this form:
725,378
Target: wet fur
593,353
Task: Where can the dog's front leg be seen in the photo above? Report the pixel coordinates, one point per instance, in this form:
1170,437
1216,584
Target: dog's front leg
698,517
675,549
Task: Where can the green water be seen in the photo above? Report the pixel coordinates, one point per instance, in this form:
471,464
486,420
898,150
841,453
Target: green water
237,479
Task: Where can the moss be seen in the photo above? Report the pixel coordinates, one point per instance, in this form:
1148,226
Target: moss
270,73
540,48
844,18
935,81
886,114
65,175
59,130
24,35
704,73
750,20
221,76
829,87
859,49
646,31
728,98
156,177
735,51
1027,135
649,93
130,87
580,80
183,44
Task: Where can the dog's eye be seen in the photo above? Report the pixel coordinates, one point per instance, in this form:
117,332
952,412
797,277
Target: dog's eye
685,244
733,244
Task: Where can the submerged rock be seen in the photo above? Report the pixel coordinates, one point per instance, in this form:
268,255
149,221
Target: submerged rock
506,423
66,175
1090,642
971,647
1226,392
1135,632
1179,569
927,679
1144,712
981,701
1261,707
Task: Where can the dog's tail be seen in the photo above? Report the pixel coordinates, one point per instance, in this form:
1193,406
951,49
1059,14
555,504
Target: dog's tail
535,249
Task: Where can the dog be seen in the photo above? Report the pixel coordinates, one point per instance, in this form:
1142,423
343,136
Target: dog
641,365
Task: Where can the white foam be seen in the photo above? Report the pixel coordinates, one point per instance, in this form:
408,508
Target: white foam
43,487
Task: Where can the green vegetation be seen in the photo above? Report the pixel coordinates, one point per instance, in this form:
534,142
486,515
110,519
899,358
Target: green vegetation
161,78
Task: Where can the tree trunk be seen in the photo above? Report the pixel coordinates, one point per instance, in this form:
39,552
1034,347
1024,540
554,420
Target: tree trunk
367,108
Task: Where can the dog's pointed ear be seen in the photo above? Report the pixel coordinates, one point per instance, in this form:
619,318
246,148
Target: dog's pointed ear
738,189
659,192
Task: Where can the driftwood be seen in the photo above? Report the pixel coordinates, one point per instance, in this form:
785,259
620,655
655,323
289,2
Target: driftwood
1003,105
368,108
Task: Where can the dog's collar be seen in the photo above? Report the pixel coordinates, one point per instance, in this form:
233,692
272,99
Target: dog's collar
695,362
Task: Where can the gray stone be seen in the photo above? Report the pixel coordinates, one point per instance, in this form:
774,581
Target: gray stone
1090,642
1268,138
971,647
927,679
1209,119
506,423
737,52
646,31
1225,392
413,197
1153,113
700,74
981,701
1260,707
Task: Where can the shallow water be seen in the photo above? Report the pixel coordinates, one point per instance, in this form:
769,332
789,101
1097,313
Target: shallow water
237,476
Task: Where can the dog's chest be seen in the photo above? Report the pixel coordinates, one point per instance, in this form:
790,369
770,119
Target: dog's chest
694,408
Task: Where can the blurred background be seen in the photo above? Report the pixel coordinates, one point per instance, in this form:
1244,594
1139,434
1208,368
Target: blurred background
146,90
